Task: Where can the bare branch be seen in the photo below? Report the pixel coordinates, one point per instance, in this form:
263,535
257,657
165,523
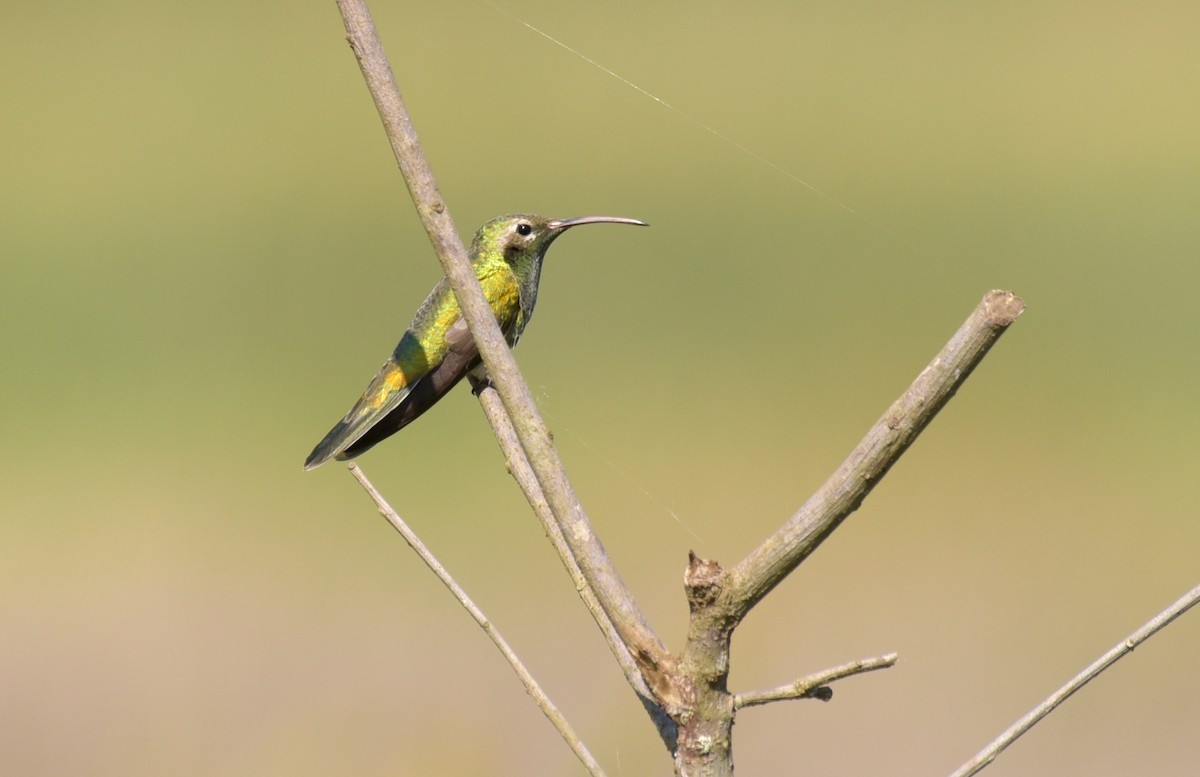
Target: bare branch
883,445
815,686
603,578
690,688
1034,716
531,685
719,599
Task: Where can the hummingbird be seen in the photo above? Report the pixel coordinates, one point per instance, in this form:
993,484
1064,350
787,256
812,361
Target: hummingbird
437,350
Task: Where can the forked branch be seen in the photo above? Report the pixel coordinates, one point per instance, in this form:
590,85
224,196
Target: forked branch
719,599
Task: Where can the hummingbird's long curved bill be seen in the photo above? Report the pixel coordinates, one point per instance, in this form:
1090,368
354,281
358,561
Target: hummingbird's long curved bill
561,224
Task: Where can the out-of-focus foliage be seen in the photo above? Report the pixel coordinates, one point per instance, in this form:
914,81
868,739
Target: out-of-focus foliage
207,252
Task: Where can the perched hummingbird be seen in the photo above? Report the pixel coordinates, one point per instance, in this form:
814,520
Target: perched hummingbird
438,351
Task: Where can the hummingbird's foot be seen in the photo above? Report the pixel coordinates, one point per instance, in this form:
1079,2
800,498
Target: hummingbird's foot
479,384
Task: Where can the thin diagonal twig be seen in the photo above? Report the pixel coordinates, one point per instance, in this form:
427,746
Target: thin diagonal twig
531,685
518,466
1030,719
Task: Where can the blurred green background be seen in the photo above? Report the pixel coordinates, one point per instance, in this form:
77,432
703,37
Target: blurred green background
207,252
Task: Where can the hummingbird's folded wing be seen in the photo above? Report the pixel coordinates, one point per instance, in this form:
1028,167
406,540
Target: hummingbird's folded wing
408,384
419,372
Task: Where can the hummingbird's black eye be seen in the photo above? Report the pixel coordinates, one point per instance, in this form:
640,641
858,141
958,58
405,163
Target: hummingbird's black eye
524,229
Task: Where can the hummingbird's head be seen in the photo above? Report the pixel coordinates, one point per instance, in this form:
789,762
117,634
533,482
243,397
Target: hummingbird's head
520,236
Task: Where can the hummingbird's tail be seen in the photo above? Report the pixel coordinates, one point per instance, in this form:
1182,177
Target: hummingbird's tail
347,441
365,426
333,445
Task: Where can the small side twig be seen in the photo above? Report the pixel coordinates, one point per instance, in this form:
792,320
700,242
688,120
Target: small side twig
534,690
1030,719
816,685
